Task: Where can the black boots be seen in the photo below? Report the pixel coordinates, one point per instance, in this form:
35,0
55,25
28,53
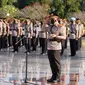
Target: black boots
54,79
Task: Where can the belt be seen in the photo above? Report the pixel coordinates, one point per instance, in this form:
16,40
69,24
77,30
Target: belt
73,32
54,39
12,29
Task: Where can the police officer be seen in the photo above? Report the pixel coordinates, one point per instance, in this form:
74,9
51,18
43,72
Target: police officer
73,36
0,34
80,28
55,35
4,34
28,35
23,32
35,36
14,29
61,24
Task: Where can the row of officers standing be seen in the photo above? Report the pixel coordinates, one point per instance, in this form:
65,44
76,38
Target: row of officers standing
29,33
19,33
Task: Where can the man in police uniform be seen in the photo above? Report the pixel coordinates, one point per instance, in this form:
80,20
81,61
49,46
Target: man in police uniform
15,33
73,36
55,35
0,34
80,28
28,35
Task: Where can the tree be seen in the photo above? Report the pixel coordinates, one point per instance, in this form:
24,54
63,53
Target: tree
82,5
71,6
22,4
10,2
45,2
57,7
3,3
8,9
64,8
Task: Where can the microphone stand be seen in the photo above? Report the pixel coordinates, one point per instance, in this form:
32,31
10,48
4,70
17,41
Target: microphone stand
26,77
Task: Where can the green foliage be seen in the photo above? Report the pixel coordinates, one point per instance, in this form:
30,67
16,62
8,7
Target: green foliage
82,5
6,2
10,2
57,7
8,9
25,3
64,8
3,3
45,1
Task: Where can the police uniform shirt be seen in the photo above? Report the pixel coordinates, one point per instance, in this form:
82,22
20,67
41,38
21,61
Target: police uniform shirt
0,28
14,29
4,29
28,31
80,28
73,31
54,45
35,31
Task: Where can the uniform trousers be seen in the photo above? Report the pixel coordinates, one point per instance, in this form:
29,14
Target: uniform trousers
66,42
28,44
54,59
10,40
19,44
43,45
40,41
23,40
14,41
73,47
78,44
4,41
0,42
34,43
63,47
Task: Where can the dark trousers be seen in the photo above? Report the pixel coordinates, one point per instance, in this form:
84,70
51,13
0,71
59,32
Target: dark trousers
73,47
40,41
43,45
28,44
19,44
54,59
14,41
34,43
78,44
0,42
80,39
10,40
63,47
4,41
23,40
66,43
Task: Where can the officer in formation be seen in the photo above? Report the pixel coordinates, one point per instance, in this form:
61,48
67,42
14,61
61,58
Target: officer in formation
75,35
29,33
18,33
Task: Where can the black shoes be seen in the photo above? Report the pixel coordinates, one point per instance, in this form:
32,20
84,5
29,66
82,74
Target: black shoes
53,80
71,55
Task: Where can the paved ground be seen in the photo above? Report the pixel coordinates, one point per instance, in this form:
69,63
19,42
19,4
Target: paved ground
12,67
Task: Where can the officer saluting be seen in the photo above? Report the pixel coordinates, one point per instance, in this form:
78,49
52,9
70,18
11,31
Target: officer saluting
55,35
1,34
34,36
4,34
28,35
14,29
80,28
